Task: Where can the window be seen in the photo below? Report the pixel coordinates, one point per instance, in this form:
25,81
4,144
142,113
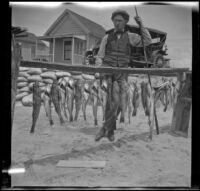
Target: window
79,46
67,50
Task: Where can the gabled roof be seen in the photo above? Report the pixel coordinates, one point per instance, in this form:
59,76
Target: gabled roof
16,31
30,38
87,25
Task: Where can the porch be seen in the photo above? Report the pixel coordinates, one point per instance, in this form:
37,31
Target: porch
68,49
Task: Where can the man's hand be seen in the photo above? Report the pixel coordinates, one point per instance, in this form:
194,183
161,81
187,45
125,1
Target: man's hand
138,20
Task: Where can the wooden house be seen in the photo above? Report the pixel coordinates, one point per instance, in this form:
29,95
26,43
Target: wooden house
31,47
70,36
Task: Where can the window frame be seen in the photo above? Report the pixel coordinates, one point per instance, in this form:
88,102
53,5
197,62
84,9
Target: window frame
67,40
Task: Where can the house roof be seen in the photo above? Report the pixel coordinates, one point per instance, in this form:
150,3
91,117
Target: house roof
16,31
30,38
88,25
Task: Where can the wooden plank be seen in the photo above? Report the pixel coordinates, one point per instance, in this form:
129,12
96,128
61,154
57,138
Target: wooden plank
81,164
176,108
16,58
181,113
94,69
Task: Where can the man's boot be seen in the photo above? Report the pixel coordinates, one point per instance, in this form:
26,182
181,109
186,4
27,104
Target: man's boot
100,134
110,136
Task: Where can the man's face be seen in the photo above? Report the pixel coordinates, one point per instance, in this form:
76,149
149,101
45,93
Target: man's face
119,22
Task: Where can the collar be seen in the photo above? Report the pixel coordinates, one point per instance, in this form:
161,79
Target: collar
119,32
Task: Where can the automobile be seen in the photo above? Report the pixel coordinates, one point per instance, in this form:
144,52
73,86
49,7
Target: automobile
156,52
90,56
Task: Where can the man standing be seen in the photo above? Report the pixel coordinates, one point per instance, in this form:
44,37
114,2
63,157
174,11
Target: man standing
115,50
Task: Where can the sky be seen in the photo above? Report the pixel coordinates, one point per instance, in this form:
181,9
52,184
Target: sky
175,20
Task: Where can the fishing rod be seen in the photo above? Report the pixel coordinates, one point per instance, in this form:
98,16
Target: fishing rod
144,51
145,57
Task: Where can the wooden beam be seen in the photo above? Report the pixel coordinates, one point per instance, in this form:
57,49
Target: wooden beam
36,48
93,69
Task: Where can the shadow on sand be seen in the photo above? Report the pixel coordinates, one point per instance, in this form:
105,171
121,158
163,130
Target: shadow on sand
93,149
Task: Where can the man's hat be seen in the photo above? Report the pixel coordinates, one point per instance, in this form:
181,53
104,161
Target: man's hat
123,13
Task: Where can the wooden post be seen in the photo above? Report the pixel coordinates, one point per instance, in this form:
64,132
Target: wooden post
190,124
151,117
36,49
72,49
182,107
53,49
175,112
87,41
16,58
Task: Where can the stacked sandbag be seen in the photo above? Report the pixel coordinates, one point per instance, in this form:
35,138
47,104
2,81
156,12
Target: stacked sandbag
28,76
78,77
23,69
23,88
22,84
88,77
34,78
28,100
47,81
23,74
19,96
48,75
61,74
22,79
34,71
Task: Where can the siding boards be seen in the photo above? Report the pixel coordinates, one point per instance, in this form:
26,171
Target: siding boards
78,59
66,26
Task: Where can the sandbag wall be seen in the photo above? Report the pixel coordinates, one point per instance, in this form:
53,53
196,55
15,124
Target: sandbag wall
27,77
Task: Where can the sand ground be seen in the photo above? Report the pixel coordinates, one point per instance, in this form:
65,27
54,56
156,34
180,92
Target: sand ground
131,160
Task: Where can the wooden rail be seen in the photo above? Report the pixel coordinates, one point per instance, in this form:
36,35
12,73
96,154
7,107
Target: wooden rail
93,69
